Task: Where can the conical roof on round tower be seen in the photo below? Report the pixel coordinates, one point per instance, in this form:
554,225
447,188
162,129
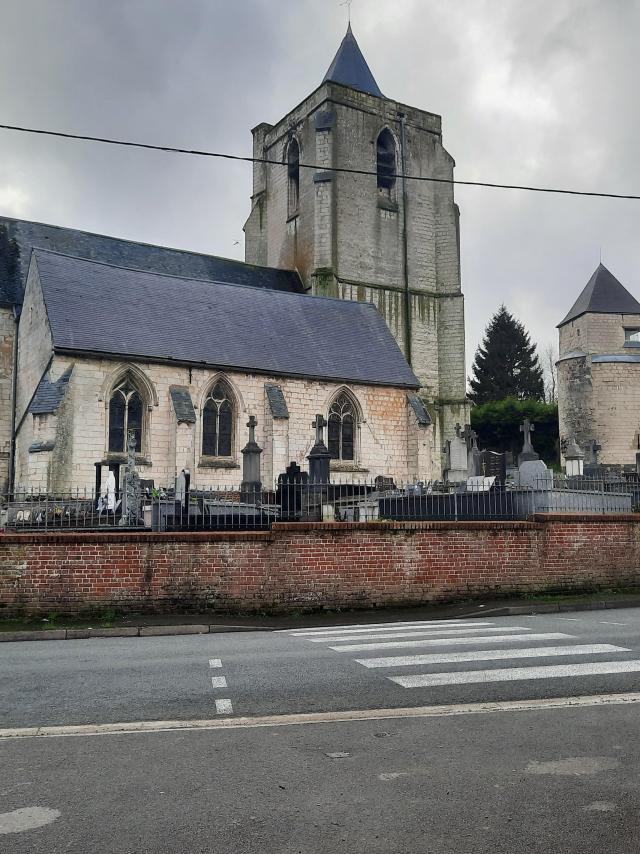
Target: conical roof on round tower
603,294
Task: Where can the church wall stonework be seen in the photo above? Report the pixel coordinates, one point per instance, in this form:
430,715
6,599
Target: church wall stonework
7,342
347,240
597,333
389,440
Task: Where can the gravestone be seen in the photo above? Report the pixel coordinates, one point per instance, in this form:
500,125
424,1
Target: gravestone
131,493
574,458
183,482
319,456
473,452
251,486
457,457
532,471
289,491
527,453
494,464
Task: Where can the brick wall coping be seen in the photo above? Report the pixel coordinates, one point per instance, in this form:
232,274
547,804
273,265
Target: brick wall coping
309,527
571,518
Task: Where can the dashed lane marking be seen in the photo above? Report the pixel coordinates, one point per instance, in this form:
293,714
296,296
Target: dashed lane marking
218,682
137,727
224,707
215,662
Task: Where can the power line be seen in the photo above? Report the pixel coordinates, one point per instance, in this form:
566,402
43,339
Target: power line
316,167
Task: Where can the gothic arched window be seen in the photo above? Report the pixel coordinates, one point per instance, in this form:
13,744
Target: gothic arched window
342,428
293,177
126,413
217,422
386,162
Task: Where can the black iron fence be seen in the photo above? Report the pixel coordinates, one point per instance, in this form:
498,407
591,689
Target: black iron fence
234,508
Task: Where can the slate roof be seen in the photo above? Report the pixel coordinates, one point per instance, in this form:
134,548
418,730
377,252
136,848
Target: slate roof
604,358
603,294
128,253
49,396
98,308
277,401
349,67
420,410
182,404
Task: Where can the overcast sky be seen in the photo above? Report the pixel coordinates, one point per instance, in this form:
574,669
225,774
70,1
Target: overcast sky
542,92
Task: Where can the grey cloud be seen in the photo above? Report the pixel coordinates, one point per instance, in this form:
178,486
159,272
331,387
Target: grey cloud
541,93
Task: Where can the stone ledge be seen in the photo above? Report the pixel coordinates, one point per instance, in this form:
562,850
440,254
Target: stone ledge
586,517
145,536
380,527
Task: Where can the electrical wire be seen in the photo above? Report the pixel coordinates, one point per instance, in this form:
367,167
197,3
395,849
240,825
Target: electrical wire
321,168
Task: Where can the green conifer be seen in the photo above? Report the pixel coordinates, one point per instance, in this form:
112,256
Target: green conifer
506,363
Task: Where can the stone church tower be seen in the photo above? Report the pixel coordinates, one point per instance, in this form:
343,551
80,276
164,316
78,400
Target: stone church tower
599,373
369,237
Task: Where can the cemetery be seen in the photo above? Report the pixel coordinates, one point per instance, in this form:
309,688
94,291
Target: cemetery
477,485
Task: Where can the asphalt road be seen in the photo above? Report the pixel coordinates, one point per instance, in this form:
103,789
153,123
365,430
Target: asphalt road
311,670
501,780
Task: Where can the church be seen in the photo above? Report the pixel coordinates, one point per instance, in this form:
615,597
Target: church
348,305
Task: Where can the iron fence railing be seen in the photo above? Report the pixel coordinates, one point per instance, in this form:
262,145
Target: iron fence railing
242,508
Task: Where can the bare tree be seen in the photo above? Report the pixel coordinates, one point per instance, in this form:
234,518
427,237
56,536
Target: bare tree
549,359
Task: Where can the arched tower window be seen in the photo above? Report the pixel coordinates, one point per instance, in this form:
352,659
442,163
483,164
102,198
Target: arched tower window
293,177
126,412
217,421
343,419
386,162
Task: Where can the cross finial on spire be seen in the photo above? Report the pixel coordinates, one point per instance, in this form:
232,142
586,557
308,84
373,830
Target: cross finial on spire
348,3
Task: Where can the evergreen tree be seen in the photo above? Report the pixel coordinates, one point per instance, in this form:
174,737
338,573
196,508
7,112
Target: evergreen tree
506,363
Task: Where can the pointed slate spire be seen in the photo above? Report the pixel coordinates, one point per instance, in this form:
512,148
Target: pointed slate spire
349,67
603,294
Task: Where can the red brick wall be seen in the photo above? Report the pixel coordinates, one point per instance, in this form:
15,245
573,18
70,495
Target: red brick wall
337,565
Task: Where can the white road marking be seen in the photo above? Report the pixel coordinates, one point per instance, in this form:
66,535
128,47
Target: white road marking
388,627
363,647
215,662
609,623
224,707
218,682
570,619
491,655
27,818
133,727
422,633
515,674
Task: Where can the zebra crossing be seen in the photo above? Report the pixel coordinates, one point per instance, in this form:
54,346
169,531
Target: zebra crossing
467,652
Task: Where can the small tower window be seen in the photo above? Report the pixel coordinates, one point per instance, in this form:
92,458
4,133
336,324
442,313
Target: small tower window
386,162
293,175
342,428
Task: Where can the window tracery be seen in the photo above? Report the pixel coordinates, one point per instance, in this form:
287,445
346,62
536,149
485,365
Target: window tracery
217,422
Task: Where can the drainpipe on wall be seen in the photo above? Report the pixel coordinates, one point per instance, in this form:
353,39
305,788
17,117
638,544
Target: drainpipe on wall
405,245
14,389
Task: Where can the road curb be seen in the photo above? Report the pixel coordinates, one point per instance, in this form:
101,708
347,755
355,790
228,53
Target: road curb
125,632
553,608
196,629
